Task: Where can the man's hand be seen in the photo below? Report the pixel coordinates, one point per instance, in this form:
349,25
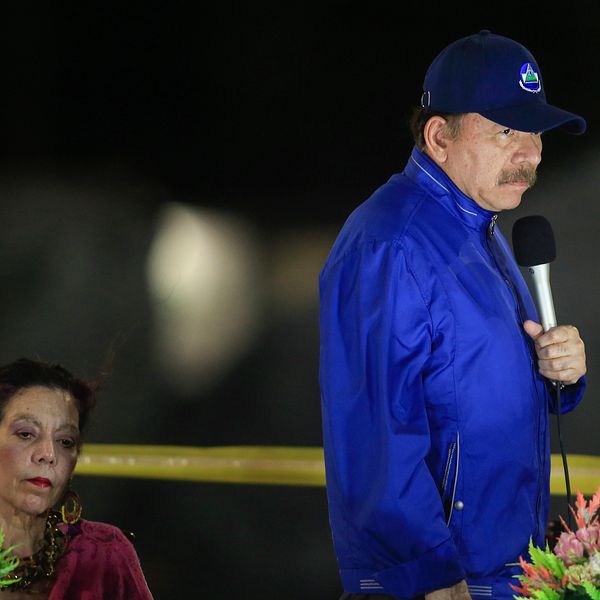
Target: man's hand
456,592
560,351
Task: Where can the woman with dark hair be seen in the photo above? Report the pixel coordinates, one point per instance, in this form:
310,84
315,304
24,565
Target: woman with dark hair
43,409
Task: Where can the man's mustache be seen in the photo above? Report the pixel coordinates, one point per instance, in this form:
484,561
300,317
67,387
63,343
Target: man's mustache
527,174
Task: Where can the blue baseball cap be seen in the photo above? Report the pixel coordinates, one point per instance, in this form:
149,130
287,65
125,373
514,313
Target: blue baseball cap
498,78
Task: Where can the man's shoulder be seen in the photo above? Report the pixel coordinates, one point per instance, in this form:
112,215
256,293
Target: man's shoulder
389,215
391,206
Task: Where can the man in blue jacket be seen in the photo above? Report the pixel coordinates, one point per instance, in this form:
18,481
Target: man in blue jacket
434,369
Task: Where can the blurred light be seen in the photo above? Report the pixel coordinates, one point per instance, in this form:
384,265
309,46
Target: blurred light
297,257
203,277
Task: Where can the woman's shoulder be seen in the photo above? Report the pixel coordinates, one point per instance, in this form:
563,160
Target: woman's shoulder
100,533
99,557
101,543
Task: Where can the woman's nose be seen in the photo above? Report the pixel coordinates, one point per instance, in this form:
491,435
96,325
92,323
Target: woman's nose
45,453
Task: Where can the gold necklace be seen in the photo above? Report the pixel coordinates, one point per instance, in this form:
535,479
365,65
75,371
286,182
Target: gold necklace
42,564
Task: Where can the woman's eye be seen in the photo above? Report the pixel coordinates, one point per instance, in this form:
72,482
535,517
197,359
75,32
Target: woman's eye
66,443
25,435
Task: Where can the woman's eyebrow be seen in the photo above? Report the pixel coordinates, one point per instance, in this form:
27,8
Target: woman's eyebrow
69,427
27,418
37,423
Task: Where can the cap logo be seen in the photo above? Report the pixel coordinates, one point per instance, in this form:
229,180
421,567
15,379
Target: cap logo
530,80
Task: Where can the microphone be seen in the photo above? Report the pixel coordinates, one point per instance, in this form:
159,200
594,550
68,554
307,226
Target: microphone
534,248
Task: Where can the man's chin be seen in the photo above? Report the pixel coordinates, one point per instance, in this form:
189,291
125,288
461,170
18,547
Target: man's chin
511,196
513,202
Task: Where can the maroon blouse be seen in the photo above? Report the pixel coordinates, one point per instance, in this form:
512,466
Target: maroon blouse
100,563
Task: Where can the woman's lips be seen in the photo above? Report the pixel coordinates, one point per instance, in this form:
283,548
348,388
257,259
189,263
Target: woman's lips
41,482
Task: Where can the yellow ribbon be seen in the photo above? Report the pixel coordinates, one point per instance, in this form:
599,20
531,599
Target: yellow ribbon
273,465
227,464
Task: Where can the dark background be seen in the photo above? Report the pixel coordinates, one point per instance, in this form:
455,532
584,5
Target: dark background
276,121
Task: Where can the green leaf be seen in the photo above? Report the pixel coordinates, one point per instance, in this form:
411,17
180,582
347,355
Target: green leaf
551,594
546,558
540,595
555,565
6,553
8,563
576,594
7,568
592,591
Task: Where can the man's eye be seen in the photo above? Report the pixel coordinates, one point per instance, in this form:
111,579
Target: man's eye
506,132
67,443
24,435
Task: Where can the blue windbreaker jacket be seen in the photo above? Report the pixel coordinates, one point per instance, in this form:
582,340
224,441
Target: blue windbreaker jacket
435,417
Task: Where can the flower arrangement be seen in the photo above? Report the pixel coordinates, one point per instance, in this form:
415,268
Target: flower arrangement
8,563
572,570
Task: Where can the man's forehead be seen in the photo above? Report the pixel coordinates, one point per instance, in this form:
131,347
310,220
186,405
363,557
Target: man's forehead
482,122
486,124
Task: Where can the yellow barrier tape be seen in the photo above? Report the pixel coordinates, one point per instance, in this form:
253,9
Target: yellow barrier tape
229,464
584,473
275,465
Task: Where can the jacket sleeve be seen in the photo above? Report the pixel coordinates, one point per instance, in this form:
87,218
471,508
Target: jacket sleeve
570,396
385,509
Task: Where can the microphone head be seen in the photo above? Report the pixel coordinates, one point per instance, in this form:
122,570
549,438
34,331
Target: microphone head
533,241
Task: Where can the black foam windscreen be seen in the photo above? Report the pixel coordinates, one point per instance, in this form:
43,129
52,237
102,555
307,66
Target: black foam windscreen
533,241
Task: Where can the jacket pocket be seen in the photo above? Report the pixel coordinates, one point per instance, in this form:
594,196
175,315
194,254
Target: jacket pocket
450,478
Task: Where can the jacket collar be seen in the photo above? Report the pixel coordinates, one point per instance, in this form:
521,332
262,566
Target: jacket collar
426,174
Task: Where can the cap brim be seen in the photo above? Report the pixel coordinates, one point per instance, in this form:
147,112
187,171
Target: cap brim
537,117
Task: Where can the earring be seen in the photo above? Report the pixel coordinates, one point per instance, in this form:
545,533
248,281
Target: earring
71,507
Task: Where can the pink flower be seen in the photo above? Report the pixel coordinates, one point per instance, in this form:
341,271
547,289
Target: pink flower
569,548
589,537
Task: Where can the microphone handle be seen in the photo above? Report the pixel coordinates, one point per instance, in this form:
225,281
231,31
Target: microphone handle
540,276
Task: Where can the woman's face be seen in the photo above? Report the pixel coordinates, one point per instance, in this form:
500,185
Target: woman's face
39,437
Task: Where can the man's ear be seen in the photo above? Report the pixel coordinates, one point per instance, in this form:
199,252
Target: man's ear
436,140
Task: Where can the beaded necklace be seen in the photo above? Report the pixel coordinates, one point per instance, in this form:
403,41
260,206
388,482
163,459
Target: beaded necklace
42,564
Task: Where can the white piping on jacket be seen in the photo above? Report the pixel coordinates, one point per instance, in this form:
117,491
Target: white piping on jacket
455,477
443,187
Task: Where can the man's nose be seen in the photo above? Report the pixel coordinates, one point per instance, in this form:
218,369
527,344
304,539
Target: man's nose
530,148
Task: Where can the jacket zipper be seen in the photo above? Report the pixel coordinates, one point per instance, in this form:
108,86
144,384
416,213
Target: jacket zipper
509,283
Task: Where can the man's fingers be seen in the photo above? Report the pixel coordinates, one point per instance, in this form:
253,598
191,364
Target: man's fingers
561,369
560,351
567,376
554,351
557,335
534,330
460,591
557,364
